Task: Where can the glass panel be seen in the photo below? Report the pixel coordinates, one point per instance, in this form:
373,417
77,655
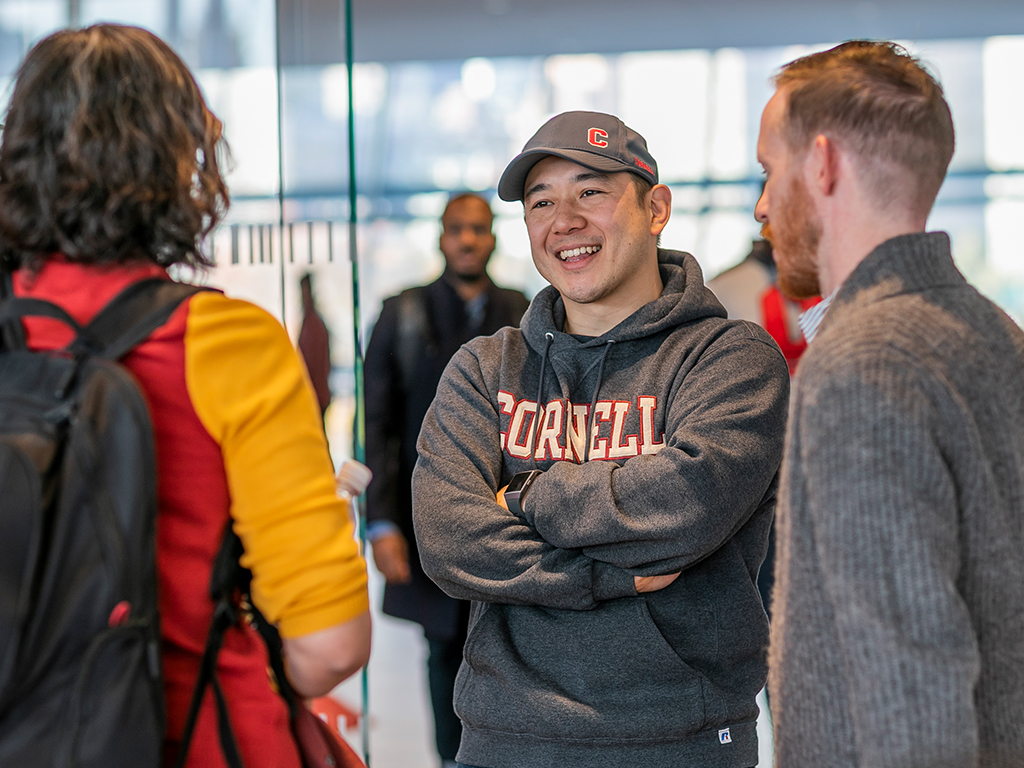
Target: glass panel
1003,111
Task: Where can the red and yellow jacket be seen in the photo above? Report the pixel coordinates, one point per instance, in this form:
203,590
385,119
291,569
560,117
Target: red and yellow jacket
238,433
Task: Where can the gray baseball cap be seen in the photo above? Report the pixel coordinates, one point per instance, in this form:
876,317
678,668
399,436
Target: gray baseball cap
594,140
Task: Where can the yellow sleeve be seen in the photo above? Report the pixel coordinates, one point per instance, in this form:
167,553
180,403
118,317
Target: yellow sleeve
253,396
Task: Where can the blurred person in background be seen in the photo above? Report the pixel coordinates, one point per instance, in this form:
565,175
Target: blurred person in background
898,621
109,175
750,291
416,335
314,345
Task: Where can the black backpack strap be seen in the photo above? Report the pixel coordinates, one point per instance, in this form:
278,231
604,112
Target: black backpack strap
12,335
271,638
231,581
133,315
12,309
229,589
224,617
227,582
275,653
122,324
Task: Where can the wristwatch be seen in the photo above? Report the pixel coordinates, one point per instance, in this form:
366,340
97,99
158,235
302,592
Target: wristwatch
516,490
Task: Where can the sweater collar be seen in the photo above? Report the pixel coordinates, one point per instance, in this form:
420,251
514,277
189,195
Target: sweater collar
905,264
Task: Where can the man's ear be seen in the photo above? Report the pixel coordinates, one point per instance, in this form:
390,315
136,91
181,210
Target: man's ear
823,165
661,207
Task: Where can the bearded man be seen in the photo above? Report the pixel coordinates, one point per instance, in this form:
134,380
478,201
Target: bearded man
898,634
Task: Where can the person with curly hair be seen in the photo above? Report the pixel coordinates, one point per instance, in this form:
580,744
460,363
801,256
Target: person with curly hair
110,174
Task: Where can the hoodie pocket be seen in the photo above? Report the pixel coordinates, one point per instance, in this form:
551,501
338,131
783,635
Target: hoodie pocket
601,674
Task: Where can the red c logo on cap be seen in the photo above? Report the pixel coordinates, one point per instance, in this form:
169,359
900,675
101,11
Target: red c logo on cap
596,137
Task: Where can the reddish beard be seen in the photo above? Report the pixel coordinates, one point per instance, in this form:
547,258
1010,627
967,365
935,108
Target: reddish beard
795,239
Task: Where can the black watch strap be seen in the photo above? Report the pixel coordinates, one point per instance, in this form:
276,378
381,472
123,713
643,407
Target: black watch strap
516,490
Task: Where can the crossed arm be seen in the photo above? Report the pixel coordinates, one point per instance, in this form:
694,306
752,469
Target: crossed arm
640,583
591,529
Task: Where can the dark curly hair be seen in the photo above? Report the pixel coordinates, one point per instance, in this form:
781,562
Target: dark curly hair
108,154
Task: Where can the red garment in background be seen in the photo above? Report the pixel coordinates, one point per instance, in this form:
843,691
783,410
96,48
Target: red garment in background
791,341
315,347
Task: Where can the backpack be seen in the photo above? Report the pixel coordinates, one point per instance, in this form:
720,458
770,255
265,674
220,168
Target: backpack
80,669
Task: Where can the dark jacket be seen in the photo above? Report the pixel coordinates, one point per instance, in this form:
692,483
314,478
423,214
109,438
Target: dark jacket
415,337
565,664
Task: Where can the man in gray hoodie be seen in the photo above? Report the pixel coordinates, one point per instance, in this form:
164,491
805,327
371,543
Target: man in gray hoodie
600,483
898,621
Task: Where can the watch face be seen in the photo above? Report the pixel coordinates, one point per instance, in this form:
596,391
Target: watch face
518,481
517,488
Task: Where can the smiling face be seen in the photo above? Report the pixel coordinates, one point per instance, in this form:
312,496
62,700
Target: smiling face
593,241
786,211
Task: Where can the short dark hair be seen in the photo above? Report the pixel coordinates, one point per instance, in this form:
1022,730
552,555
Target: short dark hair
109,154
459,197
880,102
641,187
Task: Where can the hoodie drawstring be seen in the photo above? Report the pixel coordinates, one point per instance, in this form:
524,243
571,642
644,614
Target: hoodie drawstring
593,400
548,338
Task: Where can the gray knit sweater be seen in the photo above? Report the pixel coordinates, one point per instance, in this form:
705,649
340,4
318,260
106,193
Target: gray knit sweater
899,613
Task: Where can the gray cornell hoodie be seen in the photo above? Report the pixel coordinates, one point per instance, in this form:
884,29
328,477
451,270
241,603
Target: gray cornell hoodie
565,665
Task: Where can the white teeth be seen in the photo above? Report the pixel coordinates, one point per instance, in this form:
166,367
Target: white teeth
574,252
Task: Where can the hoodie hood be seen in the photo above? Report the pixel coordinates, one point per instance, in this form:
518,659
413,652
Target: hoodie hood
684,299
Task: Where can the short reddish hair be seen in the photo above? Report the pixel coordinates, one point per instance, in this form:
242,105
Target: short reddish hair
878,101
